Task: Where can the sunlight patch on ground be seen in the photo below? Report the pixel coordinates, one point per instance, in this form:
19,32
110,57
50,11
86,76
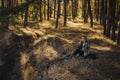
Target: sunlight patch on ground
101,48
46,24
68,41
42,38
50,53
72,24
28,73
24,58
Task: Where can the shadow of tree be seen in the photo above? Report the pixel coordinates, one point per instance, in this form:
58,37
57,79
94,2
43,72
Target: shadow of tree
106,62
63,43
11,58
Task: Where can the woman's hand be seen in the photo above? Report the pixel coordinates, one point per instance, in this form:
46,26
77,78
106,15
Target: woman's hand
80,41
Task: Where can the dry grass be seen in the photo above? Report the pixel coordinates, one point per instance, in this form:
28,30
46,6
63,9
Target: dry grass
49,57
53,43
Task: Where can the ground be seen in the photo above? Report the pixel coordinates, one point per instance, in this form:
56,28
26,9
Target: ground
45,51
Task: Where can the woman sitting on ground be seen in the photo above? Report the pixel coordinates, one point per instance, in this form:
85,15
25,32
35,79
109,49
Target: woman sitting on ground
83,48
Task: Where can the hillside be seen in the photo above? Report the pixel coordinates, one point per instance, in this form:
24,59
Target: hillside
44,53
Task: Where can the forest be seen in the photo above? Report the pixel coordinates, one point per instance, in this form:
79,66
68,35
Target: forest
38,38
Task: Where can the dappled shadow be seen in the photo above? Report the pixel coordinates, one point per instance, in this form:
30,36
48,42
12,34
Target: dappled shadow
11,57
51,57
82,68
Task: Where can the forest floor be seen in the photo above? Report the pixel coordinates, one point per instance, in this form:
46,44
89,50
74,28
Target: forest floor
44,53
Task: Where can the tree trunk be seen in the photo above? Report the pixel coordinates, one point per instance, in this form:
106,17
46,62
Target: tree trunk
65,12
102,12
58,14
109,20
54,8
85,12
76,7
113,19
45,9
98,8
83,8
35,17
48,10
40,10
90,13
117,21
73,9
118,37
2,6
105,17
51,9
2,3
95,8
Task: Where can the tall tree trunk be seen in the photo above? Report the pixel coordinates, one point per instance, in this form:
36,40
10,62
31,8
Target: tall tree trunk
68,8
48,10
109,19
76,8
90,13
58,14
2,6
35,17
113,19
51,11
83,8
118,37
85,12
45,9
117,21
95,8
102,12
54,8
65,12
105,17
98,8
72,9
40,10
2,3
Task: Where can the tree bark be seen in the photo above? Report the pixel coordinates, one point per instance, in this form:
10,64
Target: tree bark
2,3
113,19
45,9
85,12
51,11
95,8
40,10
105,17
65,13
109,19
58,14
54,8
48,10
98,8
118,37
102,12
90,13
